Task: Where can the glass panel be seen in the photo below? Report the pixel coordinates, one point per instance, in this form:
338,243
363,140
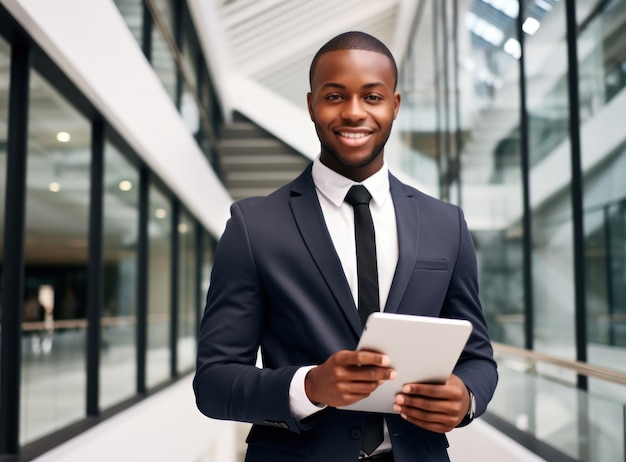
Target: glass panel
164,64
582,425
491,175
5,72
165,9
602,69
188,106
118,354
189,111
57,210
159,287
550,182
190,50
187,299
415,131
132,12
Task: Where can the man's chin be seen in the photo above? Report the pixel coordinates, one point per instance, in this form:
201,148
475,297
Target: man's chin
353,159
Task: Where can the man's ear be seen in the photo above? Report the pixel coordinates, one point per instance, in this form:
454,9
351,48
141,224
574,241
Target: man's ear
309,103
397,99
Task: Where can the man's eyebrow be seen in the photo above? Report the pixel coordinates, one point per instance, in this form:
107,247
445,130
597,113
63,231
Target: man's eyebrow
332,85
343,87
373,84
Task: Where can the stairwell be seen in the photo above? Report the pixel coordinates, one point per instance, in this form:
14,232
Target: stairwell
254,162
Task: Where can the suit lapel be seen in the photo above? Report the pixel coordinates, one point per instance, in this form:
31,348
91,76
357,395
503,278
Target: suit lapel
309,219
407,219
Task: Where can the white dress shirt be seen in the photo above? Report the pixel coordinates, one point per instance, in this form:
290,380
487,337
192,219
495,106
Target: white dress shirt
331,189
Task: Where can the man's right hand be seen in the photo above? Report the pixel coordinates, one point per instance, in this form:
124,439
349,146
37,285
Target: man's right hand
347,377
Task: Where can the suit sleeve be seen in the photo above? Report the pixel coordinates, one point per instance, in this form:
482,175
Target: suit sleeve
227,383
476,366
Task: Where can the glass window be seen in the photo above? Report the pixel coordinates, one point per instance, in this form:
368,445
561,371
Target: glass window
602,70
189,49
550,184
5,72
205,92
132,12
164,64
121,219
55,288
166,10
159,287
415,131
187,295
603,79
491,163
162,59
552,226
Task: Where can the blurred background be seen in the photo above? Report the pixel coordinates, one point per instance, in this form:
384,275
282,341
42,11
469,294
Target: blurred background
128,127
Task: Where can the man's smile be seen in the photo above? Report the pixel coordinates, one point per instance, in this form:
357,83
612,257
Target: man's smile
353,135
354,139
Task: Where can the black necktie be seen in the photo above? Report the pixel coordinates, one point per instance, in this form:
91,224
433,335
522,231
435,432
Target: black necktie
367,273
366,267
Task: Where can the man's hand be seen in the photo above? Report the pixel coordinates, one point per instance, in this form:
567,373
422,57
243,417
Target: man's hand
347,377
438,408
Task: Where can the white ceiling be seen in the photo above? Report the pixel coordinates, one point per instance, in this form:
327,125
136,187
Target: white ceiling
273,41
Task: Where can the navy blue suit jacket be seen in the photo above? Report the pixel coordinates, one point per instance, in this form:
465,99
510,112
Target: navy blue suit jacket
277,282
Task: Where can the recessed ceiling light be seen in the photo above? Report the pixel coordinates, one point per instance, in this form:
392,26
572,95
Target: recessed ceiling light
484,29
183,228
125,185
160,213
63,137
531,25
513,48
54,186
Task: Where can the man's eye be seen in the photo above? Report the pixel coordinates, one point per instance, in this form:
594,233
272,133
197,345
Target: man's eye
373,98
333,97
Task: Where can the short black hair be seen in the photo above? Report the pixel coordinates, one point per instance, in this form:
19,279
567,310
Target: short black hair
354,40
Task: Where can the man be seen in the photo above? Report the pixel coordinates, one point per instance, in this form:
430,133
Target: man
286,278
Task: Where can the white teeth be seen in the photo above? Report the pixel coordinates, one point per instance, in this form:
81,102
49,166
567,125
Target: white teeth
353,135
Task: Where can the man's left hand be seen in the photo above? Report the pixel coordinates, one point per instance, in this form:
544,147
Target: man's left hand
438,408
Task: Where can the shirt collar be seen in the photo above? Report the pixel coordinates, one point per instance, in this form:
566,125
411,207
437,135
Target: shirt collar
335,186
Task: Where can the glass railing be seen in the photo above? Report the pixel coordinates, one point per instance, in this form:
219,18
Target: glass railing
536,396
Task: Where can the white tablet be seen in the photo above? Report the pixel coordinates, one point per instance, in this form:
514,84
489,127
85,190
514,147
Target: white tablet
421,349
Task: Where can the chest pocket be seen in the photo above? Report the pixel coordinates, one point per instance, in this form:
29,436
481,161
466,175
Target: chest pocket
433,265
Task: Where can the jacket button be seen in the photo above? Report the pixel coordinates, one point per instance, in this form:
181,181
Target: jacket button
356,433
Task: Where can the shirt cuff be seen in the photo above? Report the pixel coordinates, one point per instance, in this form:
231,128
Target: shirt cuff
299,403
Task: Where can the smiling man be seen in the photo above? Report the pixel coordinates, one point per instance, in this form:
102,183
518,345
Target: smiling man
289,276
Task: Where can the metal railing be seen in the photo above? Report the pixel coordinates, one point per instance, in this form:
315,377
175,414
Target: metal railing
581,368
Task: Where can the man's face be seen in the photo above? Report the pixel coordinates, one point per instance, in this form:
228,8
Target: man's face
353,104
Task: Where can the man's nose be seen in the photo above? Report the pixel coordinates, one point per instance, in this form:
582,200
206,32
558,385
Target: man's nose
353,109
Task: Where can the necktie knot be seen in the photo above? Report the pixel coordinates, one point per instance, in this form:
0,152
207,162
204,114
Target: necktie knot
358,194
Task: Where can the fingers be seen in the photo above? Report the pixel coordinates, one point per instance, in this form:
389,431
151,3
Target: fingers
362,358
369,366
438,408
347,376
435,415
